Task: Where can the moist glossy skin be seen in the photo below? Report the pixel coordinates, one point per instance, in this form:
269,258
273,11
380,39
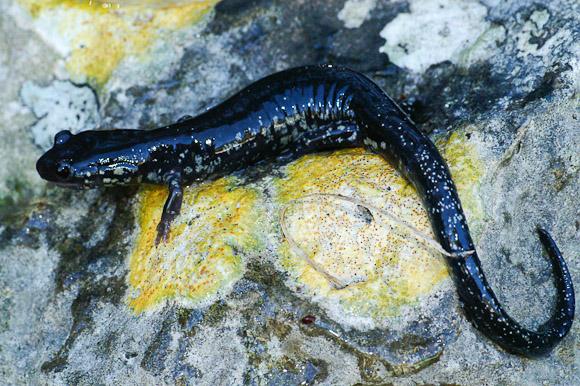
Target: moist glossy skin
297,111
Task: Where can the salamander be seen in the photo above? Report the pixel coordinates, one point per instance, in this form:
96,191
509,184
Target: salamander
293,112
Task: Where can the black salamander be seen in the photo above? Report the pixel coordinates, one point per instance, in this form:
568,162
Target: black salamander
297,111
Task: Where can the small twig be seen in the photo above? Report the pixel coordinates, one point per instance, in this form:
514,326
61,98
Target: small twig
334,281
414,231
337,283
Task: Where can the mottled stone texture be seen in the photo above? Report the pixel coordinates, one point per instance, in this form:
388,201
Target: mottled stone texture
501,75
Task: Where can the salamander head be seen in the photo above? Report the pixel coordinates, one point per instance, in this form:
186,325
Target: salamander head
91,159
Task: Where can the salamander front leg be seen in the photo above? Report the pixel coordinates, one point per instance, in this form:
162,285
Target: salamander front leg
171,208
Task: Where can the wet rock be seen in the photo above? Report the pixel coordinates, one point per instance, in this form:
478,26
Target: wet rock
60,106
433,32
86,298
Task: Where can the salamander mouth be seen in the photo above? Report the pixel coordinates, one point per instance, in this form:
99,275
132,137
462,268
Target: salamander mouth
76,186
80,183
48,170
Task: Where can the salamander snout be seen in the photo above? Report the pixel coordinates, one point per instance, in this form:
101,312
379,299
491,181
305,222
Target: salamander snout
58,172
90,159
55,165
49,166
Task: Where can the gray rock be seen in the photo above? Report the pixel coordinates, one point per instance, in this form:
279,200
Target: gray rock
504,85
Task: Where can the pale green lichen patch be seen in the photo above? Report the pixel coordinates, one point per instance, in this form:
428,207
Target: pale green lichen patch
432,32
97,36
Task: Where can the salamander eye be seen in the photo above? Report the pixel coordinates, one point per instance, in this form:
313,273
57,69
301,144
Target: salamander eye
63,170
62,137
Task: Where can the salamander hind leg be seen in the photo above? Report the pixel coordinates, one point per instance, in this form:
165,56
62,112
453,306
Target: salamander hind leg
172,207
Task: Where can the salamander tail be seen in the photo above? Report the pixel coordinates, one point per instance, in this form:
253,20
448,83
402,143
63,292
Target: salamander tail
485,312
561,322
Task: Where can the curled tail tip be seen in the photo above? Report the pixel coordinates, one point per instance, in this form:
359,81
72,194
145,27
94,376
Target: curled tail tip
564,316
550,246
544,235
515,338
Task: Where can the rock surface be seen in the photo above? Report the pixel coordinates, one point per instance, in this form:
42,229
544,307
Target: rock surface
85,299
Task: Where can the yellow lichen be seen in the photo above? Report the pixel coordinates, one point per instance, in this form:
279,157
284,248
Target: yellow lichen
467,169
219,220
383,268
101,34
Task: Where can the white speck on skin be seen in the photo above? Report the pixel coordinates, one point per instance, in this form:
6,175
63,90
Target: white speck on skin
355,12
433,32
